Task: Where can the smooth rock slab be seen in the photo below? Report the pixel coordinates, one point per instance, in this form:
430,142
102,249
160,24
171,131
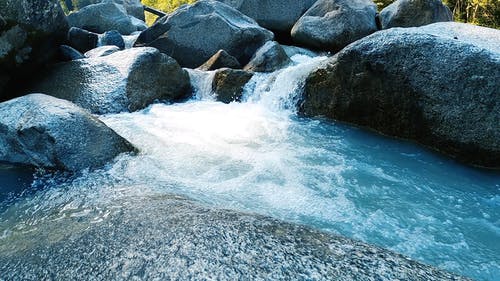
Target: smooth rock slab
127,80
47,132
437,84
164,237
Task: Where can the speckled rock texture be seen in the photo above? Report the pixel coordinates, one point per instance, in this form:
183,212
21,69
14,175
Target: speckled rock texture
268,58
228,84
412,13
30,33
133,7
170,238
193,33
437,84
47,132
221,59
127,80
333,24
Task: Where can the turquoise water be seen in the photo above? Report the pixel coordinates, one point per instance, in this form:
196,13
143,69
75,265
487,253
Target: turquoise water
259,156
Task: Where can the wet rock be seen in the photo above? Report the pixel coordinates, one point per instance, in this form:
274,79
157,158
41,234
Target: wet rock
268,58
276,15
228,84
193,33
128,80
30,34
408,13
294,50
67,53
112,37
167,237
47,132
82,40
437,84
333,24
102,17
102,51
221,59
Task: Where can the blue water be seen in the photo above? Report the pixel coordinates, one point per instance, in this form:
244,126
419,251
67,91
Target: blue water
259,156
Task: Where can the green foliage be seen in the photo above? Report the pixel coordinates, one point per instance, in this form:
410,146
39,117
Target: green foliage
163,5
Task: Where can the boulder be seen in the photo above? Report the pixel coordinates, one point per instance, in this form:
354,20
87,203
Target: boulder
102,51
193,33
268,58
276,15
228,84
82,40
102,17
47,132
437,84
221,59
333,24
127,80
67,53
30,33
133,7
409,13
112,37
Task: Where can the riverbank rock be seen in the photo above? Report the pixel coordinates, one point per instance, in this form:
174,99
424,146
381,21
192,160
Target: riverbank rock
333,24
112,37
30,33
409,13
102,17
221,59
128,80
437,84
268,58
82,40
133,7
276,15
67,53
193,33
47,132
228,84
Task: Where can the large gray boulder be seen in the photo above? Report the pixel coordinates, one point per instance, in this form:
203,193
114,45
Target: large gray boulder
47,132
437,84
333,24
133,7
268,58
193,33
276,15
409,13
103,17
30,33
128,80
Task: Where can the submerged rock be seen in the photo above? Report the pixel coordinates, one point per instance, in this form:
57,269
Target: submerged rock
333,24
30,33
276,15
128,80
268,58
228,84
436,84
409,13
221,59
44,131
193,33
162,237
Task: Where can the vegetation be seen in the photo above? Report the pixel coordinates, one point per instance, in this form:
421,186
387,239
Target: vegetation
163,5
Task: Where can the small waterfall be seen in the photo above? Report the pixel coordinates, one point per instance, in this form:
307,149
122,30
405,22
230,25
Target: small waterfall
201,81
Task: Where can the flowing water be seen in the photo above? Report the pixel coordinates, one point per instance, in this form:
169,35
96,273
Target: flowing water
259,156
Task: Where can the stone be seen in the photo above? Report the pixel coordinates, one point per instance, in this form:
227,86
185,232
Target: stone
43,131
102,17
276,15
193,33
331,25
127,80
30,34
436,84
228,84
133,7
221,59
67,53
82,40
102,51
412,13
112,37
268,58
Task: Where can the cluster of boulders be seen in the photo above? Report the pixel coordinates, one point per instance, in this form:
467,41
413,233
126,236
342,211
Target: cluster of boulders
393,72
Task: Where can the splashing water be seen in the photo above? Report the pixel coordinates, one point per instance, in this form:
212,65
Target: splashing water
258,156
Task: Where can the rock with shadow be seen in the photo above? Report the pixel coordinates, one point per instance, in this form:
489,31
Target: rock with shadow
412,13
